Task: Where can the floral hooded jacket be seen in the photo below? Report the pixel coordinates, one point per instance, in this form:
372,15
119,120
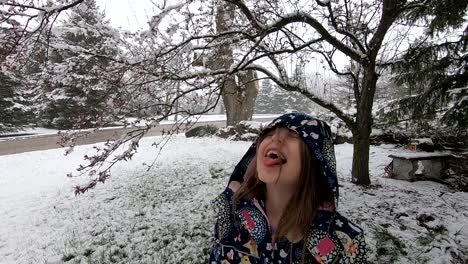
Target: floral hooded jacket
244,236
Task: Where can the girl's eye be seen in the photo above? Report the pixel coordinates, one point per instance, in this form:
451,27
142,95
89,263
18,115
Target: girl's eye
293,134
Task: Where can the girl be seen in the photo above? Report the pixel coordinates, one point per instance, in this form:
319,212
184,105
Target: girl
280,204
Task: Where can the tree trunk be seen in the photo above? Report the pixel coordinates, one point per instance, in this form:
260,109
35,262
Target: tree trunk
238,95
360,169
363,127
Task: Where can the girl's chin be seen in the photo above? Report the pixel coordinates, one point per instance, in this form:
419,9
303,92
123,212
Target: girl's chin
268,181
268,178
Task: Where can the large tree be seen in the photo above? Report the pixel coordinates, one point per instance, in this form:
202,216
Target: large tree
433,71
79,70
15,111
367,34
239,90
271,33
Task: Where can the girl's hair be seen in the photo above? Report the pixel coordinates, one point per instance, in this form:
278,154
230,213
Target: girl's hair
313,192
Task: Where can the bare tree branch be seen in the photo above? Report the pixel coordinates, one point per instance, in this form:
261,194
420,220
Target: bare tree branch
350,35
348,119
300,17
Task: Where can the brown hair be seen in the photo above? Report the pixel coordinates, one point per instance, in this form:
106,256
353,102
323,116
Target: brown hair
313,192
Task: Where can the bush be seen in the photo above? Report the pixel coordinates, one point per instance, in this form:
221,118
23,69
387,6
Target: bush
202,131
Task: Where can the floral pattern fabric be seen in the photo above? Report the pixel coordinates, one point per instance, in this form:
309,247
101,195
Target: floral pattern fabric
245,237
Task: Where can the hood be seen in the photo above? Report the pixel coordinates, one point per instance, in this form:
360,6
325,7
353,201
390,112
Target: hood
315,133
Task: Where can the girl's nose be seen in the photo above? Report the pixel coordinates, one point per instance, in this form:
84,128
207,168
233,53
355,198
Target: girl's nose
278,136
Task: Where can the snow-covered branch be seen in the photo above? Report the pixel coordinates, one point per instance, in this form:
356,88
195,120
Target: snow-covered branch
302,17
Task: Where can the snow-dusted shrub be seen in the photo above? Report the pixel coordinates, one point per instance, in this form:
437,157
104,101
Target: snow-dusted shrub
202,131
244,131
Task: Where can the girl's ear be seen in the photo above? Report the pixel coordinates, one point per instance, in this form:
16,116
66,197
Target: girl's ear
251,168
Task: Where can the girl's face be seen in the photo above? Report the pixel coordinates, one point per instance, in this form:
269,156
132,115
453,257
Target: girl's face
278,157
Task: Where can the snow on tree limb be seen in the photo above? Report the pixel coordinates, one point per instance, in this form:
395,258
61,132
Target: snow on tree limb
156,19
302,17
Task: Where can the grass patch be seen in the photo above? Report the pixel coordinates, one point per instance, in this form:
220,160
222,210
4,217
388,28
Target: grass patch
388,247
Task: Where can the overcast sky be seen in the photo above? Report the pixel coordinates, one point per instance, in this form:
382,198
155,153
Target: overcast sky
127,14
133,15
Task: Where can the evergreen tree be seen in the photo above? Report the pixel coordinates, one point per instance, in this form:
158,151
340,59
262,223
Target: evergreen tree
14,109
274,100
434,70
79,79
14,112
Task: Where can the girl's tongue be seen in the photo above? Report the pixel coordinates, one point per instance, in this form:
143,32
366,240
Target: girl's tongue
271,162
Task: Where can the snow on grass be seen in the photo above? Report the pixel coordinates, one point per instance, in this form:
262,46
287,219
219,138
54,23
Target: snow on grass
136,217
31,131
40,131
393,213
163,215
197,118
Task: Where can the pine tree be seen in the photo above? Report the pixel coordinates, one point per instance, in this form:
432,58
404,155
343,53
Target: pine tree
274,100
434,71
78,80
14,112
14,109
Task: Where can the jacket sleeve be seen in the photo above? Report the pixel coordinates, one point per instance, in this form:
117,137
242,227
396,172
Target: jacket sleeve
222,206
336,240
215,255
355,252
354,245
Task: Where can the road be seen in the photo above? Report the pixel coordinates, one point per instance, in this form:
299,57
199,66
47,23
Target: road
44,142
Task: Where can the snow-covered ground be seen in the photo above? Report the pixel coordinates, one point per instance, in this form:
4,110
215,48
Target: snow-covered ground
32,131
38,131
163,215
199,118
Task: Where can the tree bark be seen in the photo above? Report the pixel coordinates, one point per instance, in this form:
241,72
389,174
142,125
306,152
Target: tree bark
363,126
239,92
239,97
360,168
